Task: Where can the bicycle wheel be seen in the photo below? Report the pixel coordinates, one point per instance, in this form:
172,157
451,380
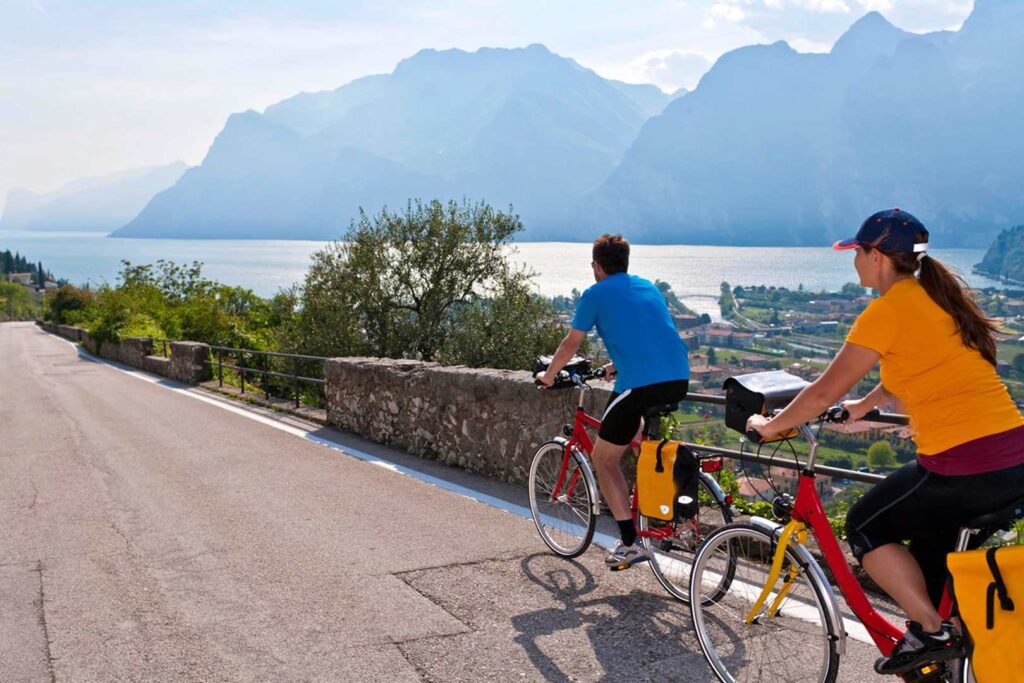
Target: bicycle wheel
672,551
793,645
561,500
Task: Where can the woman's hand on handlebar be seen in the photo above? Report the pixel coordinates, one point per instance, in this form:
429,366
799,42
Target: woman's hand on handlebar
759,424
544,379
857,408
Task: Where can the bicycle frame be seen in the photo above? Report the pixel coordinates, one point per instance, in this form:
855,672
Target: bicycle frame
581,440
808,513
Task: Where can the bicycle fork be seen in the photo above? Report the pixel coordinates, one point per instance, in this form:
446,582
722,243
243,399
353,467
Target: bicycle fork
793,528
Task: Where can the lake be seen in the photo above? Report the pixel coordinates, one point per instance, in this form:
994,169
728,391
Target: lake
695,272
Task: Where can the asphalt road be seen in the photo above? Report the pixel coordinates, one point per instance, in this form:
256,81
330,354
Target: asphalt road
149,536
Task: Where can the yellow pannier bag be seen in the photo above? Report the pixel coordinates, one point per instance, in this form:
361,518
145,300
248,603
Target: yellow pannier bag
655,482
989,589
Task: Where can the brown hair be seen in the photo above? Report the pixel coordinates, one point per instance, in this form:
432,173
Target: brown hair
949,291
611,253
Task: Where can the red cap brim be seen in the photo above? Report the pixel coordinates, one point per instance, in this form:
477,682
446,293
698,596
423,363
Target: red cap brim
845,244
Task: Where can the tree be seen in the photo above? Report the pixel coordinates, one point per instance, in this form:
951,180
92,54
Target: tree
65,303
424,283
712,356
852,290
726,302
881,454
705,319
841,461
16,302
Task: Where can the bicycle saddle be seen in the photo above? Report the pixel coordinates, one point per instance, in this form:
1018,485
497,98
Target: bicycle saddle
998,519
661,410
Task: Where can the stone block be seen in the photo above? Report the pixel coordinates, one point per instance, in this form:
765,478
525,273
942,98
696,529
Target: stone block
189,362
158,365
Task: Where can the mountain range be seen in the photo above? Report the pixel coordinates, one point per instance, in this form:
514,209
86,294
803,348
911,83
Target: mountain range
520,127
772,147
777,147
100,204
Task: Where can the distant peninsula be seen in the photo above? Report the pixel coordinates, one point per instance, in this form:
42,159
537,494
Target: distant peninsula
1005,258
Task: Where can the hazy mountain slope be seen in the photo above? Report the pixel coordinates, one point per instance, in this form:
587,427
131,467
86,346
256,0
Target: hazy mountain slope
99,204
775,147
522,127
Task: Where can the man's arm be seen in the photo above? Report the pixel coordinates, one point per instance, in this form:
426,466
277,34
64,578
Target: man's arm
565,351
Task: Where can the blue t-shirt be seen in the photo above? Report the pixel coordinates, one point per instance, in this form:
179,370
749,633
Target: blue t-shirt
633,320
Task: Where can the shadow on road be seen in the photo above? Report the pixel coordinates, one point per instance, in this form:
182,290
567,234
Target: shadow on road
629,632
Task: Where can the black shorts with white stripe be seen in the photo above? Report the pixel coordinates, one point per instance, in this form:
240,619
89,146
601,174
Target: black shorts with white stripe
622,417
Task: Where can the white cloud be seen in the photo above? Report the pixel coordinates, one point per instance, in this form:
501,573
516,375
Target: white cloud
805,45
729,11
876,5
672,69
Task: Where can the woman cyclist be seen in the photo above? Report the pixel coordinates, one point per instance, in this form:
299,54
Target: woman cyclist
938,359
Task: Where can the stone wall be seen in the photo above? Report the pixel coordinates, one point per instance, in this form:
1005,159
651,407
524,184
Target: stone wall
186,363
487,421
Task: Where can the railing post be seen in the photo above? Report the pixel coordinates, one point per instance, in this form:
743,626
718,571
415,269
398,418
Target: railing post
220,367
266,377
240,361
295,379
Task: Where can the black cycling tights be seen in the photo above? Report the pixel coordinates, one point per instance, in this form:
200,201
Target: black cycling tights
928,509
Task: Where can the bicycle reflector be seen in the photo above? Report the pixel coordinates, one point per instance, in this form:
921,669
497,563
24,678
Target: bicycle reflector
713,465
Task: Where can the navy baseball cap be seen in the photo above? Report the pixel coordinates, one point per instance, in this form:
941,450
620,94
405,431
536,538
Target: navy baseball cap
892,230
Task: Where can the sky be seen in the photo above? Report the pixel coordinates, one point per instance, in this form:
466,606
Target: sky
93,87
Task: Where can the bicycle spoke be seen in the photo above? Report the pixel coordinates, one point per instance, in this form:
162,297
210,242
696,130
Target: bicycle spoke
791,646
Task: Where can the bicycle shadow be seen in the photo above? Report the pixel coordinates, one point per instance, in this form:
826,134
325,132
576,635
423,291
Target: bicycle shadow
628,632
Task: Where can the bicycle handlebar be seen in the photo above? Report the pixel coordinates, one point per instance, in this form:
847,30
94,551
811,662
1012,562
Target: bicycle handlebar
568,380
839,415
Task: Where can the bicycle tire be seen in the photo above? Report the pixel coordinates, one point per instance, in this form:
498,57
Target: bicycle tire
672,558
565,525
743,653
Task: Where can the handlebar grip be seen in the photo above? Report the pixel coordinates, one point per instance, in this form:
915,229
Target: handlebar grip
837,414
754,436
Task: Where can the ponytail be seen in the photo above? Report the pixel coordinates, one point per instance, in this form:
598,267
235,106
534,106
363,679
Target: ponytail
949,291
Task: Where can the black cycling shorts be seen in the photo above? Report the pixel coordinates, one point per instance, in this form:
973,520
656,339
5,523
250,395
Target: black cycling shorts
928,509
622,416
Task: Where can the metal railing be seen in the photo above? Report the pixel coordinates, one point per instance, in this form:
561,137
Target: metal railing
263,369
838,472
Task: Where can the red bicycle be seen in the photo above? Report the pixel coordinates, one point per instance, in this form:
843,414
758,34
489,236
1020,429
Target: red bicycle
767,612
565,499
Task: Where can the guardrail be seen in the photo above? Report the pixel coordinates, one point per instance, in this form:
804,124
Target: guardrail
294,379
838,472
264,371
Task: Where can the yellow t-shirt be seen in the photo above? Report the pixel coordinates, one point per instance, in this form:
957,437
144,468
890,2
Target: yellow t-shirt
951,393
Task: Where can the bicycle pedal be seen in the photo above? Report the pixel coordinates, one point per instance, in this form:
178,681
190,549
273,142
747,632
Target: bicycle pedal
933,672
625,565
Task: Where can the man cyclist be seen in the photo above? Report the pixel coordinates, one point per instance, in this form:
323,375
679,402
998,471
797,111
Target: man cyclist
648,362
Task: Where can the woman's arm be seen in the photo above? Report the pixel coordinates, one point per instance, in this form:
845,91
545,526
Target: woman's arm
846,369
879,397
565,351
